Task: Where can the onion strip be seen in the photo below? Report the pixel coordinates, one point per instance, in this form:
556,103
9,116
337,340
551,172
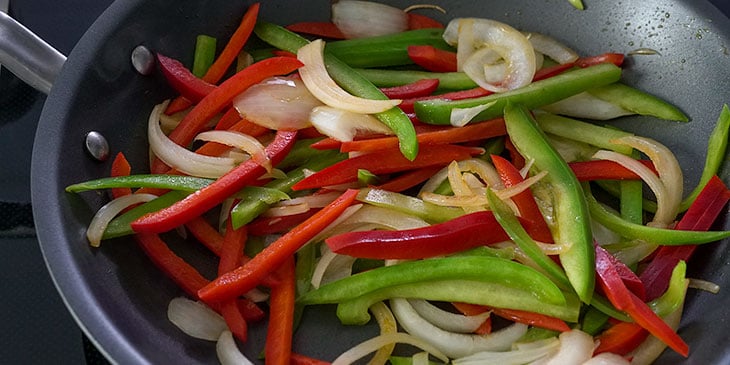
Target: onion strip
196,319
368,346
227,351
386,322
242,141
106,213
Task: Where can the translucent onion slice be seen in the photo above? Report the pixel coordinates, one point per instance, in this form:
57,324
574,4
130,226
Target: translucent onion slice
448,321
331,267
552,48
585,105
320,84
387,324
462,116
228,352
607,358
364,348
420,358
281,103
507,193
182,159
576,347
242,141
196,319
286,210
358,19
384,217
450,343
343,125
110,210
705,285
523,354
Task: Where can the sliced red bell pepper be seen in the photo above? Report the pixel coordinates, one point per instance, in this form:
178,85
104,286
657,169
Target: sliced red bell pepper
283,53
699,217
299,359
456,235
228,120
419,88
433,59
550,71
532,319
407,104
196,204
271,225
319,29
610,282
230,258
615,58
120,167
517,160
433,136
182,80
206,234
409,179
621,338
250,274
418,21
281,316
525,201
629,279
605,170
473,310
384,162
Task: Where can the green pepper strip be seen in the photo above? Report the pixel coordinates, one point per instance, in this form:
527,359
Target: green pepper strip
429,212
349,80
632,193
120,226
354,311
614,189
204,55
716,148
655,235
638,101
519,235
538,93
571,212
168,182
390,78
577,130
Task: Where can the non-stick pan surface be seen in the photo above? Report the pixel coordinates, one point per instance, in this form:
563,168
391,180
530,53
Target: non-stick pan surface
120,299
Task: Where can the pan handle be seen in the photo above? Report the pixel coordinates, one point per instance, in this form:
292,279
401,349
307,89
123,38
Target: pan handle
27,56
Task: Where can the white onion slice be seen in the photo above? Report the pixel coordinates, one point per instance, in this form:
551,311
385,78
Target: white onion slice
550,47
343,125
281,103
585,105
523,354
383,217
228,352
462,116
320,84
242,141
576,347
705,285
358,19
196,319
362,349
453,344
181,158
607,358
331,267
106,213
386,322
448,321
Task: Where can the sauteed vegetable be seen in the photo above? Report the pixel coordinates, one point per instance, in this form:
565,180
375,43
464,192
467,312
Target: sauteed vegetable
459,183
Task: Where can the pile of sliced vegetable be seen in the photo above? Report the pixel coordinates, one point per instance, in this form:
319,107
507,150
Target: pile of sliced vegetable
443,179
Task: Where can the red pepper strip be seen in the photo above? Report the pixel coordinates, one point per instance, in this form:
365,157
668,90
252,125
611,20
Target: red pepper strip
385,162
419,88
228,120
629,279
230,258
468,309
409,179
283,53
319,29
203,200
615,58
120,167
407,104
621,338
622,298
281,317
532,319
605,170
250,310
250,274
456,235
548,72
699,217
442,135
299,359
326,144
271,225
433,59
182,80
418,21
225,59
206,234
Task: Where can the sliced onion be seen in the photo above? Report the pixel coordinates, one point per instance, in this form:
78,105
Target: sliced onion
607,358
576,347
453,344
331,267
228,352
281,103
343,125
242,141
462,116
507,193
182,159
585,105
705,285
385,218
361,350
523,354
320,84
387,325
196,319
286,210
358,19
550,47
448,321
106,213
420,358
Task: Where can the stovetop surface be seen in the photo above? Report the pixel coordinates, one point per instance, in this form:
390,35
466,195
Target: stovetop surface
37,329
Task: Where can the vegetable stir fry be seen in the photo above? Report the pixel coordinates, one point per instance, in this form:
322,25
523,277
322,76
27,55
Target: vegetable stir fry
457,184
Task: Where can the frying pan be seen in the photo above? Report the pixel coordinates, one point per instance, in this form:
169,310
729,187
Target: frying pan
117,296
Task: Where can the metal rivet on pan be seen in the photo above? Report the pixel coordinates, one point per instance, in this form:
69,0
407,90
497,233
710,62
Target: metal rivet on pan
143,60
97,146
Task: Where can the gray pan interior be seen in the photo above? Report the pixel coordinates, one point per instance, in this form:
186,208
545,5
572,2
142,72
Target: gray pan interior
120,299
